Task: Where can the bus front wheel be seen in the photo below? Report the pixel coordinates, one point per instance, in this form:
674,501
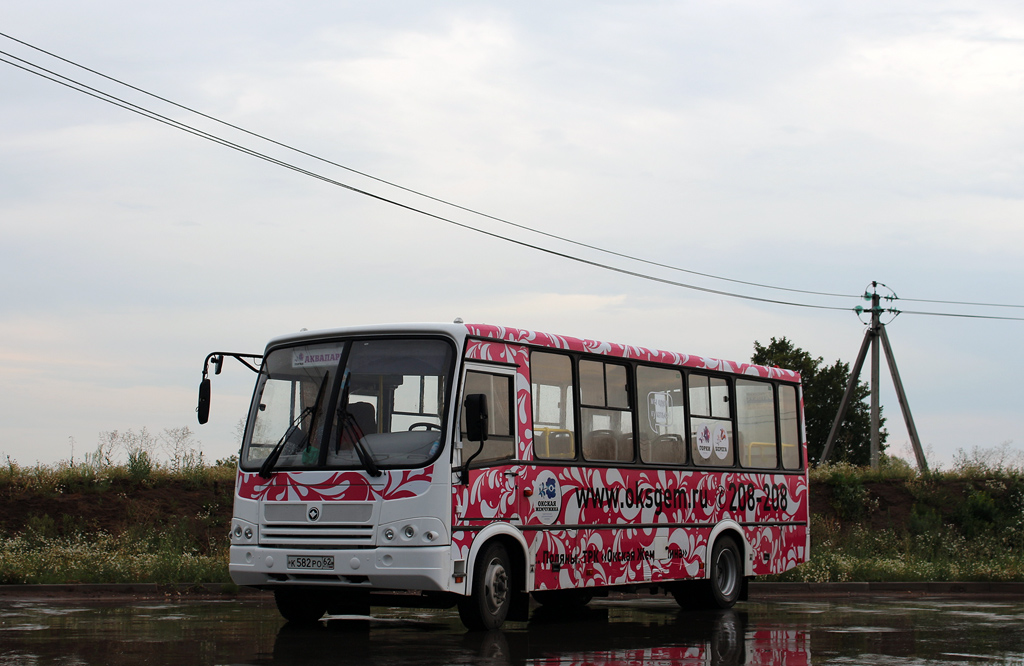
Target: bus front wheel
488,602
300,605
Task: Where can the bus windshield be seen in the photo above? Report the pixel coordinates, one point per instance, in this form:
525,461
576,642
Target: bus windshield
362,403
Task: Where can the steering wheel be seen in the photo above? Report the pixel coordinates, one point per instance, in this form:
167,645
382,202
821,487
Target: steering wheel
426,426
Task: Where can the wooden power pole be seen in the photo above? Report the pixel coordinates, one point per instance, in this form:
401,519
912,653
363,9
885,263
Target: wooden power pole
875,334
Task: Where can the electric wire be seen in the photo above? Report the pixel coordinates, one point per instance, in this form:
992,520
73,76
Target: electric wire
423,194
959,315
152,115
134,108
987,305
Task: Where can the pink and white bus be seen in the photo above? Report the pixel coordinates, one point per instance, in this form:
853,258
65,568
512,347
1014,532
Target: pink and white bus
474,466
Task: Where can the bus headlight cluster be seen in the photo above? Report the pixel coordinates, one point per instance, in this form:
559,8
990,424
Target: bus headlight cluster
414,532
242,532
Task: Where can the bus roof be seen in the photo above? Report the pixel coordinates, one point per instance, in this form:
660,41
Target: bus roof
565,342
538,339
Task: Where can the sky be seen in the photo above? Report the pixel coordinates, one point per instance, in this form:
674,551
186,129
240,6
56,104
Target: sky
809,146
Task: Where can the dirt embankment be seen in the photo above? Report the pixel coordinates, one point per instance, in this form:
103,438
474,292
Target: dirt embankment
201,510
204,509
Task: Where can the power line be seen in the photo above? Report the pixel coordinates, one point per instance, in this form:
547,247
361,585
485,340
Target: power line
423,194
134,108
152,115
963,316
986,305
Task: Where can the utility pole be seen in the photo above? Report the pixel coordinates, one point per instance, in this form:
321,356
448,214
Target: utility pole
872,336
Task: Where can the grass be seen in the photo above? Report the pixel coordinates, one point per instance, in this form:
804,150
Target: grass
107,558
961,524
141,470
103,522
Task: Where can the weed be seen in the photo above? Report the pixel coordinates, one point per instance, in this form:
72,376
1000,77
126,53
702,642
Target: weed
140,465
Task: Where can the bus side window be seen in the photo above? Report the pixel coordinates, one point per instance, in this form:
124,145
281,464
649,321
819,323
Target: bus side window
662,422
607,420
500,443
553,422
789,427
755,424
711,436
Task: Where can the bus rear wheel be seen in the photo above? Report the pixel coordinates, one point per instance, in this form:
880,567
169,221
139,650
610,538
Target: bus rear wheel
726,574
490,597
725,580
300,605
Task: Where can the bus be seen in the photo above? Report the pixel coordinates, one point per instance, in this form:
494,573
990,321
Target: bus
480,466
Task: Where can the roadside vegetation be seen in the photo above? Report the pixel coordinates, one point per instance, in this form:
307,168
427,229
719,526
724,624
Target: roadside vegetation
961,524
151,509
140,509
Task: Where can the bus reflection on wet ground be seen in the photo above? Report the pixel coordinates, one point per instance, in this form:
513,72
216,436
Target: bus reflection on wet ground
631,631
584,636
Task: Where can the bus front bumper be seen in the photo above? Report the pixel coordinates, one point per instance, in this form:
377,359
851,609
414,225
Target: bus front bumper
405,568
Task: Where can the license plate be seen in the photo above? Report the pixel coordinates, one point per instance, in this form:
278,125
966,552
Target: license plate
314,562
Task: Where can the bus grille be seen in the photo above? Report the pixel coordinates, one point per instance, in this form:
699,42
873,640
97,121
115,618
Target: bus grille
340,525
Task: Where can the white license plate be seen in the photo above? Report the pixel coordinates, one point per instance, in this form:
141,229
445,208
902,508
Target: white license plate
314,562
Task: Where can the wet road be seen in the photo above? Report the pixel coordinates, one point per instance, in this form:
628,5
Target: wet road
648,630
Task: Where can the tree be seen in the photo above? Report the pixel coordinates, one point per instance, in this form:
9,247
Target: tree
823,388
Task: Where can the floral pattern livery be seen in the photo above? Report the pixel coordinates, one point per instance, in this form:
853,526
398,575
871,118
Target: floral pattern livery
670,514
327,486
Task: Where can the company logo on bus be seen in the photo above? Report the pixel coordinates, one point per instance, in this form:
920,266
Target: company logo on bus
304,358
720,442
704,442
547,498
714,438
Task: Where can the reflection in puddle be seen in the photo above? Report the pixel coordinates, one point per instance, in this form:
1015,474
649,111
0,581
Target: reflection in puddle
647,630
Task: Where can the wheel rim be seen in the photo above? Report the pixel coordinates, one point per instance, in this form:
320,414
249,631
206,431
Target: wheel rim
495,586
726,572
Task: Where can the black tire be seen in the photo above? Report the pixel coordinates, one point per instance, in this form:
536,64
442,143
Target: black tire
490,596
725,583
346,601
725,573
300,605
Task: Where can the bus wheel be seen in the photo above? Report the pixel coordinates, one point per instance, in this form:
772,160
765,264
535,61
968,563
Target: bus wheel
491,595
300,605
726,574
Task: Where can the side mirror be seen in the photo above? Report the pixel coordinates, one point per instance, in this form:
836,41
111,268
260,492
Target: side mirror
475,406
476,417
203,409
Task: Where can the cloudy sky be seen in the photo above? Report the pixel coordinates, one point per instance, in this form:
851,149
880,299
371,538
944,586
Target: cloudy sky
808,146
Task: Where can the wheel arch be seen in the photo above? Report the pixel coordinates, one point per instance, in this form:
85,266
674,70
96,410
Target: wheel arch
732,529
515,546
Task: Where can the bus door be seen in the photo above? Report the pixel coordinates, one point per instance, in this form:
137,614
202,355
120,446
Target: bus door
493,479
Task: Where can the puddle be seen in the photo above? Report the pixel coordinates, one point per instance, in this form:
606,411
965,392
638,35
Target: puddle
608,632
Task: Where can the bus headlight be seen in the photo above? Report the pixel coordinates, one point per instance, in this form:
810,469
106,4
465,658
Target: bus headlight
242,532
418,531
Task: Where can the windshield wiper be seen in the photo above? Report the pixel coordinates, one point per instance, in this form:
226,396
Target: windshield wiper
267,468
350,427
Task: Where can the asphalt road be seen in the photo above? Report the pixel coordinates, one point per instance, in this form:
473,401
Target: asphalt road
861,630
